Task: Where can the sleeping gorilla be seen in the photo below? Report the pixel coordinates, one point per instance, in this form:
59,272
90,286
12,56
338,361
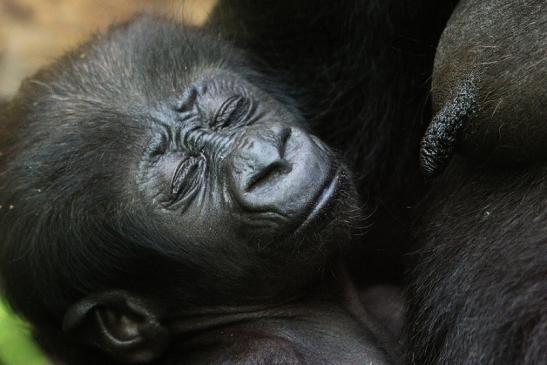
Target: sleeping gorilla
168,204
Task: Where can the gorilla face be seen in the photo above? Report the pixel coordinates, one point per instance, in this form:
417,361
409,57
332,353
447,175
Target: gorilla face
234,158
231,174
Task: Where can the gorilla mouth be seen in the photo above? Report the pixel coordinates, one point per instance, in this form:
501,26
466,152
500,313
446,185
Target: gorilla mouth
324,199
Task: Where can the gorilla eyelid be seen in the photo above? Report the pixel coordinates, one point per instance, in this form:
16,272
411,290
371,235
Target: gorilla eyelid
185,178
230,111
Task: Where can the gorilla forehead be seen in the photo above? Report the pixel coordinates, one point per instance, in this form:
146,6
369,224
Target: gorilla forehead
132,67
156,59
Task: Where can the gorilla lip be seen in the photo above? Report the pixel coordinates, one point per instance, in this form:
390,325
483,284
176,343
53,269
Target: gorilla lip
325,197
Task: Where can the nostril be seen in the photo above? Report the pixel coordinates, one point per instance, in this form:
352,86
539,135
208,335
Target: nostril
275,168
283,139
259,159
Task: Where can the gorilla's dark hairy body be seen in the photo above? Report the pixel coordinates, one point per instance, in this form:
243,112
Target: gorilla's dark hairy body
478,292
174,195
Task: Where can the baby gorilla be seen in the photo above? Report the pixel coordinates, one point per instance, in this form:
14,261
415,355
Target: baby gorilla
489,85
163,202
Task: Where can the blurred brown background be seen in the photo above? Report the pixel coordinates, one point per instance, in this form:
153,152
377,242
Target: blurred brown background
34,32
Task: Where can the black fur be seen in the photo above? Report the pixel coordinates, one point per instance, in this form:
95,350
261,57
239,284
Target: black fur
479,286
478,292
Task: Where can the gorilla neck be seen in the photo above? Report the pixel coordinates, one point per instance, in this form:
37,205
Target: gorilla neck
286,332
338,290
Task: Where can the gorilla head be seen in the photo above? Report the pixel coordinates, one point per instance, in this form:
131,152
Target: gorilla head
154,174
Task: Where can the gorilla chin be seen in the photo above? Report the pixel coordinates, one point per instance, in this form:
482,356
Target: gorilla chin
333,216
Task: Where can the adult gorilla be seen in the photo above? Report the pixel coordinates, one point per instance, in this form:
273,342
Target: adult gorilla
164,202
479,289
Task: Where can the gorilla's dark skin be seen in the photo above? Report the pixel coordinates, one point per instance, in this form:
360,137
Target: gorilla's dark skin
478,291
491,66
157,185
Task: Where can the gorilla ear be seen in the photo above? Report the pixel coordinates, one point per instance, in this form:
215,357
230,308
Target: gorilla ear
122,325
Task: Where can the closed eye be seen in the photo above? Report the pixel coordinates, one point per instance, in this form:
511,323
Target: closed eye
186,178
231,111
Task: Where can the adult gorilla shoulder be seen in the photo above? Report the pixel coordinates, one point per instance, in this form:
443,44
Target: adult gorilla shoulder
489,85
479,289
167,204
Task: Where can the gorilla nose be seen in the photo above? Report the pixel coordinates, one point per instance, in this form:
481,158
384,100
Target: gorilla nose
266,168
274,169
259,159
